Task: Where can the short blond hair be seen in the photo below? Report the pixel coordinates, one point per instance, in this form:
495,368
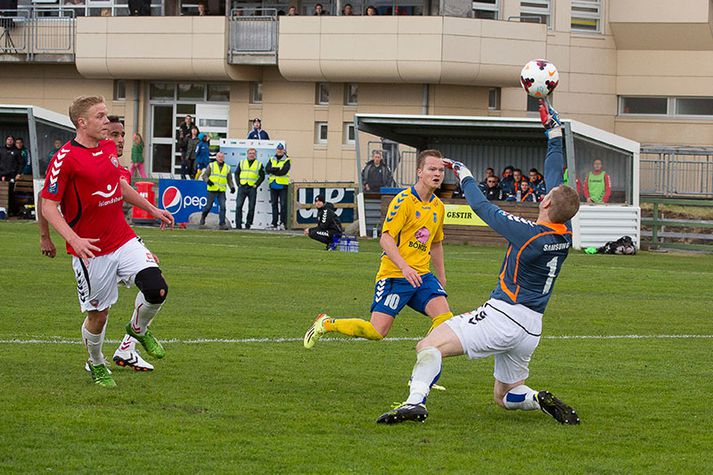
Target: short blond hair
565,204
81,105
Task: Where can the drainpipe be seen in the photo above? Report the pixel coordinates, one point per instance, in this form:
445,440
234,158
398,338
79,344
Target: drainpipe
424,105
137,83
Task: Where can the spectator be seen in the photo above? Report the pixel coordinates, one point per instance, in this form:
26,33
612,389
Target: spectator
137,156
376,174
292,11
140,7
218,178
507,183
517,177
188,163
257,133
328,225
565,181
483,185
278,167
202,154
537,183
187,125
250,174
348,10
319,10
597,186
371,11
202,9
25,155
493,192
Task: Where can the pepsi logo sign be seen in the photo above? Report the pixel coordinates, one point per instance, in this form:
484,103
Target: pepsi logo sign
171,199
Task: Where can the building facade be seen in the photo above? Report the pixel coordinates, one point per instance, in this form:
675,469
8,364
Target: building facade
642,69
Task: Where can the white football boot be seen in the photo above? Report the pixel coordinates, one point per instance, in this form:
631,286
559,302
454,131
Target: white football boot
127,356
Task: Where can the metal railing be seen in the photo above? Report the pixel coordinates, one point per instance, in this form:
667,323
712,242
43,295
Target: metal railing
31,33
677,171
252,34
687,230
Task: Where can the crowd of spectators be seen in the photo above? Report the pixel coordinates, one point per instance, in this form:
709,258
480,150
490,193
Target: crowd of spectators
513,185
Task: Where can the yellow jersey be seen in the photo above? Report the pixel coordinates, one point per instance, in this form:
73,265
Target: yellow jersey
415,225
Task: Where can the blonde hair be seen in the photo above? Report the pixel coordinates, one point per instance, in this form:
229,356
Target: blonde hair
81,105
427,153
565,204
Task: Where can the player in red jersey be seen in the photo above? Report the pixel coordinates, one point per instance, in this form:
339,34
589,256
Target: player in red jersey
85,180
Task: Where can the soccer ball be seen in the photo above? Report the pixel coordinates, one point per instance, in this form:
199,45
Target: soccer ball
539,78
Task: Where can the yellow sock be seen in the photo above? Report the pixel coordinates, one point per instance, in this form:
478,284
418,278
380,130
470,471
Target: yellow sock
353,327
439,319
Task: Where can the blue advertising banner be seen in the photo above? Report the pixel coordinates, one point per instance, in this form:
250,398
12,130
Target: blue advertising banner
182,198
333,194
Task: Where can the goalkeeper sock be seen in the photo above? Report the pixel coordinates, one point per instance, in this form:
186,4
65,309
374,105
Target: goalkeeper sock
521,397
144,312
425,373
353,327
439,319
94,344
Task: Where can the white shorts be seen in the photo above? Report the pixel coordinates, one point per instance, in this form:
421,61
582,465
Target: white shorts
97,278
509,332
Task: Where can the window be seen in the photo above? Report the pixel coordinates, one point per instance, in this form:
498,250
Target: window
587,15
494,99
320,133
191,92
643,105
533,104
536,11
348,133
218,93
255,93
694,106
162,90
351,94
487,9
119,90
322,93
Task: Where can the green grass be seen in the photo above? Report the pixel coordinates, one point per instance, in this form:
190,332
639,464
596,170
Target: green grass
269,407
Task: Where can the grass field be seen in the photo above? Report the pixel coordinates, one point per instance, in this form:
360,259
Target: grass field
271,406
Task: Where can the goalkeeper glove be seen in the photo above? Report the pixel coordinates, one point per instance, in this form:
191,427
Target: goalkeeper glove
459,169
550,119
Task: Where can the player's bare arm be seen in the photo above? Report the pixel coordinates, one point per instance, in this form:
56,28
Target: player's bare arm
388,244
47,247
438,261
82,246
133,197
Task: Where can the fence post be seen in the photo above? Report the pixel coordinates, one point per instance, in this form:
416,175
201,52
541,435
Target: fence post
654,228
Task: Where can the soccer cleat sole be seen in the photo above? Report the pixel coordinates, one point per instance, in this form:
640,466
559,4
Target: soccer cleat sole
560,411
130,363
397,416
313,333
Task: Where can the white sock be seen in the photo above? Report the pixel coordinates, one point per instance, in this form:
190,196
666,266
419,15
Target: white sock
128,343
144,312
94,344
426,371
521,397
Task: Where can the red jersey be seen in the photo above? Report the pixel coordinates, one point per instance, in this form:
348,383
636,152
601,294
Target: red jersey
85,181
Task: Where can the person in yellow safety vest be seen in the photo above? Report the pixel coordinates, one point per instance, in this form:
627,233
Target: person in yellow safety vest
218,178
249,174
278,167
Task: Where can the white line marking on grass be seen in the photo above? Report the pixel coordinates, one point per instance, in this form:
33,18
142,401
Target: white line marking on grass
200,341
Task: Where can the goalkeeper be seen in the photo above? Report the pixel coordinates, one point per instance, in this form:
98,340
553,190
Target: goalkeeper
509,325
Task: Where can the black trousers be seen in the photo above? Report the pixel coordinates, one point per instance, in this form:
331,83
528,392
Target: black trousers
249,192
281,196
322,235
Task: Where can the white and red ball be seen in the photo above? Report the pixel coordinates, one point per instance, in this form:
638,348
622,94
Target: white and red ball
539,78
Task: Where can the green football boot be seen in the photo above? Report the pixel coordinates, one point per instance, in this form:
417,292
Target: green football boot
102,376
152,346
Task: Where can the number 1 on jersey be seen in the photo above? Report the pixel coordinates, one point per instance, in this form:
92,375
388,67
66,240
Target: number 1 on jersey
551,276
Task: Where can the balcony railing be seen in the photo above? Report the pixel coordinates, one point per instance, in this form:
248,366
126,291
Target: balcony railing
32,36
253,38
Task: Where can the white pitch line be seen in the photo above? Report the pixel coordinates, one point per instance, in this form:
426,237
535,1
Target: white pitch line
200,341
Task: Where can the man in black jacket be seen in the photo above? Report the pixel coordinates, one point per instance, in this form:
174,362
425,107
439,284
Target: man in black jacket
328,224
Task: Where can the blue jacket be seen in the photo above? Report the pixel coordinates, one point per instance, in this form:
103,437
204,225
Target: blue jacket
202,154
536,251
258,135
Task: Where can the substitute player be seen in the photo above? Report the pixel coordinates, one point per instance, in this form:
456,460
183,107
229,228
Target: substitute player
508,325
84,178
411,237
